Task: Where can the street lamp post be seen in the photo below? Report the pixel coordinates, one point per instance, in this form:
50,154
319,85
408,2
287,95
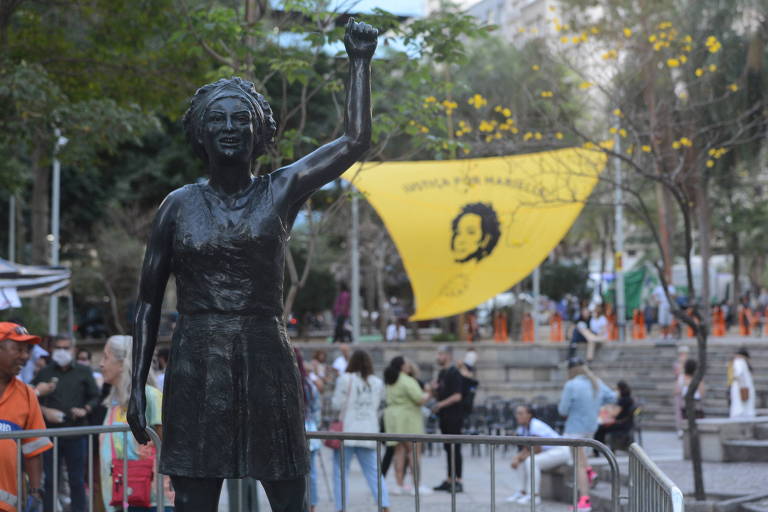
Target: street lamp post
60,141
355,250
621,308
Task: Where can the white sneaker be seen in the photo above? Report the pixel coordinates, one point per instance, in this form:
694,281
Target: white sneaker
425,491
525,499
396,490
514,497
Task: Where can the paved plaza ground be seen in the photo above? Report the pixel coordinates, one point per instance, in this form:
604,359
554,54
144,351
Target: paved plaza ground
663,447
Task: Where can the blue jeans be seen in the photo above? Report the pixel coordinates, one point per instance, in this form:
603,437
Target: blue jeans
73,451
313,499
367,459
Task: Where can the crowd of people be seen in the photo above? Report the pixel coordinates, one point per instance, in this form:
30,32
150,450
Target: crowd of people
58,386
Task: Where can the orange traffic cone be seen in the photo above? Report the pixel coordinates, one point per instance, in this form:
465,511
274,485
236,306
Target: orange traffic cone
528,326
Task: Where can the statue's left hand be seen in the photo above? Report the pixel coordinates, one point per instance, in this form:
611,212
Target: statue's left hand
360,39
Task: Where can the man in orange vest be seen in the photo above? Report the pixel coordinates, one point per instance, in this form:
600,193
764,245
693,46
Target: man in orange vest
19,410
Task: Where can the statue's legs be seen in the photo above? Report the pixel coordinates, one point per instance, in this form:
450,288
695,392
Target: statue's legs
197,494
286,495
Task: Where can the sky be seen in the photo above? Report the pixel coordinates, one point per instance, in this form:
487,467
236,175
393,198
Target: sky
401,7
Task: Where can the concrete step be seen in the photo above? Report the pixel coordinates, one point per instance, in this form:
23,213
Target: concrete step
750,450
761,432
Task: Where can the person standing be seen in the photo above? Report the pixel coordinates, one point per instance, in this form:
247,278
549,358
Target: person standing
19,410
450,412
665,309
547,457
74,398
116,368
580,403
341,314
679,366
357,396
403,416
742,386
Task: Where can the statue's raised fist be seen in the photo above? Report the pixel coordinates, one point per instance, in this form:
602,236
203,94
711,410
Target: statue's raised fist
360,39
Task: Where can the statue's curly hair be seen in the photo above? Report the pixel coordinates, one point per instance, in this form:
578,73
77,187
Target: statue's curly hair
265,125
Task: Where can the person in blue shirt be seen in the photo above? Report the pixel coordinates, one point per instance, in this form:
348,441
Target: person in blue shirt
580,403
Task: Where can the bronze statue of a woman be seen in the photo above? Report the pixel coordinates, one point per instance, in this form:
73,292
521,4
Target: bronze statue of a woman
232,406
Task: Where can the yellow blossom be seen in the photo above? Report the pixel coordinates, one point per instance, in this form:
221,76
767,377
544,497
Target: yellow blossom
477,101
424,129
683,59
623,132
631,149
610,54
607,144
564,39
733,87
514,130
486,126
521,30
576,39
646,148
712,68
627,32
527,136
713,45
559,136
652,38
687,48
618,113
687,39
535,67
685,141
497,108
547,94
673,63
613,130
551,8
534,30
588,145
595,30
466,151
683,95
676,145
537,136
497,135
585,85
699,72
710,163
665,25
430,99
506,113
489,138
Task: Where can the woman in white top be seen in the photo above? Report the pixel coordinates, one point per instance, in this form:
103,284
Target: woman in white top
742,386
357,396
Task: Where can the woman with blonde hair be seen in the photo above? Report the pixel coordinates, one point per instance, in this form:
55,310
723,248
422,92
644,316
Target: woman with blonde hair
116,369
580,403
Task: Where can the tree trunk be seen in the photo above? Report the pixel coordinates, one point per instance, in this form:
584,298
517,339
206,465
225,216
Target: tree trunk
41,191
736,269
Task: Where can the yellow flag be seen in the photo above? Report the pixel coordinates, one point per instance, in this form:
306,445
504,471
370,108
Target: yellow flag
470,229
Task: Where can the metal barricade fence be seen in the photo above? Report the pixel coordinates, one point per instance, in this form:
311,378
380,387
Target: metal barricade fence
56,433
649,487
643,465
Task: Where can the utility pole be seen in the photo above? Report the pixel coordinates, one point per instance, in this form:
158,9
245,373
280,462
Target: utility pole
618,266
355,291
12,229
53,310
536,295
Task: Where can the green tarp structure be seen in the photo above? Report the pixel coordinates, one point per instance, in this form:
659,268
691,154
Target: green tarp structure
633,291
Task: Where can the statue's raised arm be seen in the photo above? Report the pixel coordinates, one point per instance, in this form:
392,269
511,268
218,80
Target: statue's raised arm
329,161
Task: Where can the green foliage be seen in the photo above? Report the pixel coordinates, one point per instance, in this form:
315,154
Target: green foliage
559,280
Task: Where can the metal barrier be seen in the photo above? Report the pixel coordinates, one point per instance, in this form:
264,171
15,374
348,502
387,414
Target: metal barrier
649,487
492,441
55,433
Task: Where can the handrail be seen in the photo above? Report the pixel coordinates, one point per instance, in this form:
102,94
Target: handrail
661,490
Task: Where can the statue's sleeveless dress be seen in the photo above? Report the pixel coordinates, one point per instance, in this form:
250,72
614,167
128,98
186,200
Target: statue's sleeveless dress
232,403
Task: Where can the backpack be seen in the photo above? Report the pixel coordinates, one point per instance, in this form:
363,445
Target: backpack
468,391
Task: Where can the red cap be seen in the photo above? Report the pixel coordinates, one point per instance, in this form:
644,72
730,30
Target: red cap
16,332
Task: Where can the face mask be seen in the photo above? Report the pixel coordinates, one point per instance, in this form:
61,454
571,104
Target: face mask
62,357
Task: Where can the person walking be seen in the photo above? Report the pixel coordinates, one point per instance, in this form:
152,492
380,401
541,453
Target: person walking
341,314
358,395
689,368
546,457
580,403
742,387
447,391
116,370
75,396
403,416
19,410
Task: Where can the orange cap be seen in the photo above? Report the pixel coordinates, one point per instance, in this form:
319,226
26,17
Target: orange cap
16,332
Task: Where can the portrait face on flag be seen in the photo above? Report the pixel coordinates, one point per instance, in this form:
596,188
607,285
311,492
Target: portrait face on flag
469,229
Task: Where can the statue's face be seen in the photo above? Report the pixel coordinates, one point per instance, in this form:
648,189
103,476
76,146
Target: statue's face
229,130
468,237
